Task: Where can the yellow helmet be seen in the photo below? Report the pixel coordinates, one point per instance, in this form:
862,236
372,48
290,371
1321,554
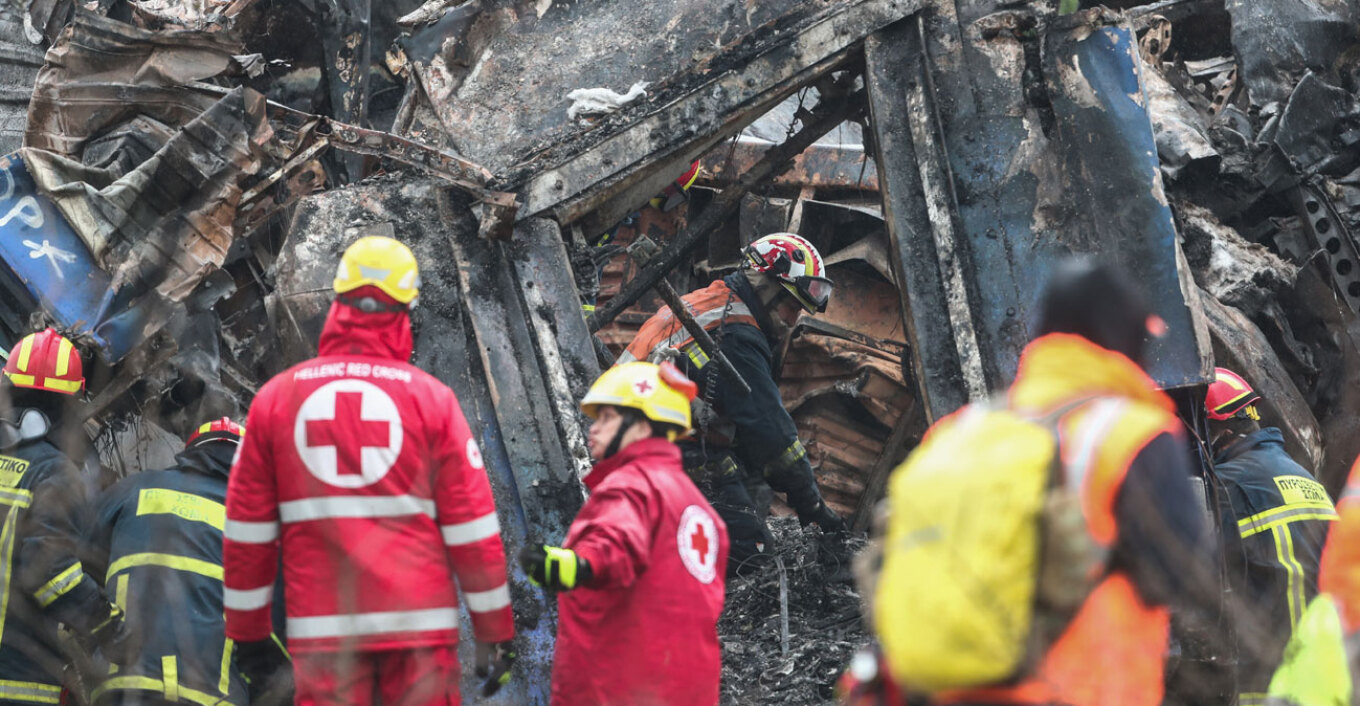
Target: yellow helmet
661,392
382,262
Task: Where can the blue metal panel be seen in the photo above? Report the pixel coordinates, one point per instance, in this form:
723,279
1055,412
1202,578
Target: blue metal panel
1110,200
49,266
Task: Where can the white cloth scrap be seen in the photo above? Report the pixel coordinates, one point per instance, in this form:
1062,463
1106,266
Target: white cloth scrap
602,101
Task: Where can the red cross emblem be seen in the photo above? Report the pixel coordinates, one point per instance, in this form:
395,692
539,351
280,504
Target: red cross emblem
698,542
348,433
644,387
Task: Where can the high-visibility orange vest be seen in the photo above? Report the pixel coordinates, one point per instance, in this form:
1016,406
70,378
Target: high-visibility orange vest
1339,574
707,305
1112,652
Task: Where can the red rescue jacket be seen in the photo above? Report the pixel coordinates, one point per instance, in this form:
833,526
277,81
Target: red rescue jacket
646,630
363,468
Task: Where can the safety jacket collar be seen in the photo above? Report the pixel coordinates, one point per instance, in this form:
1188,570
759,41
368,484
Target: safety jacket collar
349,331
647,452
1060,367
1250,442
738,283
212,459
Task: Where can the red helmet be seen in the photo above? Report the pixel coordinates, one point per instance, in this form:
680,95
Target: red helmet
1230,397
223,429
46,360
675,192
797,265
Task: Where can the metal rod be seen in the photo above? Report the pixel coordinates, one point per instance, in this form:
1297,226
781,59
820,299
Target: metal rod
783,606
830,112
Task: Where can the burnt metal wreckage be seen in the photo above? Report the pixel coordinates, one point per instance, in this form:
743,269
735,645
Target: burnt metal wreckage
178,211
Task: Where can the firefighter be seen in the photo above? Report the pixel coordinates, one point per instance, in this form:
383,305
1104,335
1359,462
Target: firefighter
1275,518
361,470
42,495
640,567
1318,667
157,537
1123,448
749,312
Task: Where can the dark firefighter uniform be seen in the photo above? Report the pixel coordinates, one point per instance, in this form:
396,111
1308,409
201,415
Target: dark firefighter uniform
753,434
1276,518
157,537
43,583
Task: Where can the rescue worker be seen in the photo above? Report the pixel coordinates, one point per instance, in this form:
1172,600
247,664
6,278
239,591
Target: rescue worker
361,470
640,567
1275,517
753,437
42,495
157,537
1122,443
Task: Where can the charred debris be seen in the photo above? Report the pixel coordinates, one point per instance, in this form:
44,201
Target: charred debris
180,175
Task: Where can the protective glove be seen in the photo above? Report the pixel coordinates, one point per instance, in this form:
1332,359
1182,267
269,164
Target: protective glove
114,638
266,665
823,517
493,662
555,567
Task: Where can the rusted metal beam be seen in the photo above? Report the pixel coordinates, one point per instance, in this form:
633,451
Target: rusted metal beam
832,111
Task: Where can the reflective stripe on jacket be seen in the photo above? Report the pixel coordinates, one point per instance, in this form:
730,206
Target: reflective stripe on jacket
362,469
1099,441
158,537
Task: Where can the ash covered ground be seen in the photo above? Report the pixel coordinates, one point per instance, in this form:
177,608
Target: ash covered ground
824,624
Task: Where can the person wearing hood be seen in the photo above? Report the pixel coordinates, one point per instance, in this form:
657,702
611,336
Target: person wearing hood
361,472
748,439
43,500
1275,520
640,570
157,542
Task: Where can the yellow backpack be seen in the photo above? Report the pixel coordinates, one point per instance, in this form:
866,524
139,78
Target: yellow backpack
986,555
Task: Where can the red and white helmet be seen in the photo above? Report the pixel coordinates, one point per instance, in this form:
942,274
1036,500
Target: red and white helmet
224,429
1230,397
797,265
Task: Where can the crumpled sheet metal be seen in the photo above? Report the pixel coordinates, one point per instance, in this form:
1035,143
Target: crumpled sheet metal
1277,40
157,208
44,263
192,14
19,65
1306,129
1181,136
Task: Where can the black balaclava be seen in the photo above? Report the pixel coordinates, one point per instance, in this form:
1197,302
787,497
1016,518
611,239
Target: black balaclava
1098,302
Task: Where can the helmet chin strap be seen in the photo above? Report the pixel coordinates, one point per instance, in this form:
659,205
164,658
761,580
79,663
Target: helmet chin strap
627,418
